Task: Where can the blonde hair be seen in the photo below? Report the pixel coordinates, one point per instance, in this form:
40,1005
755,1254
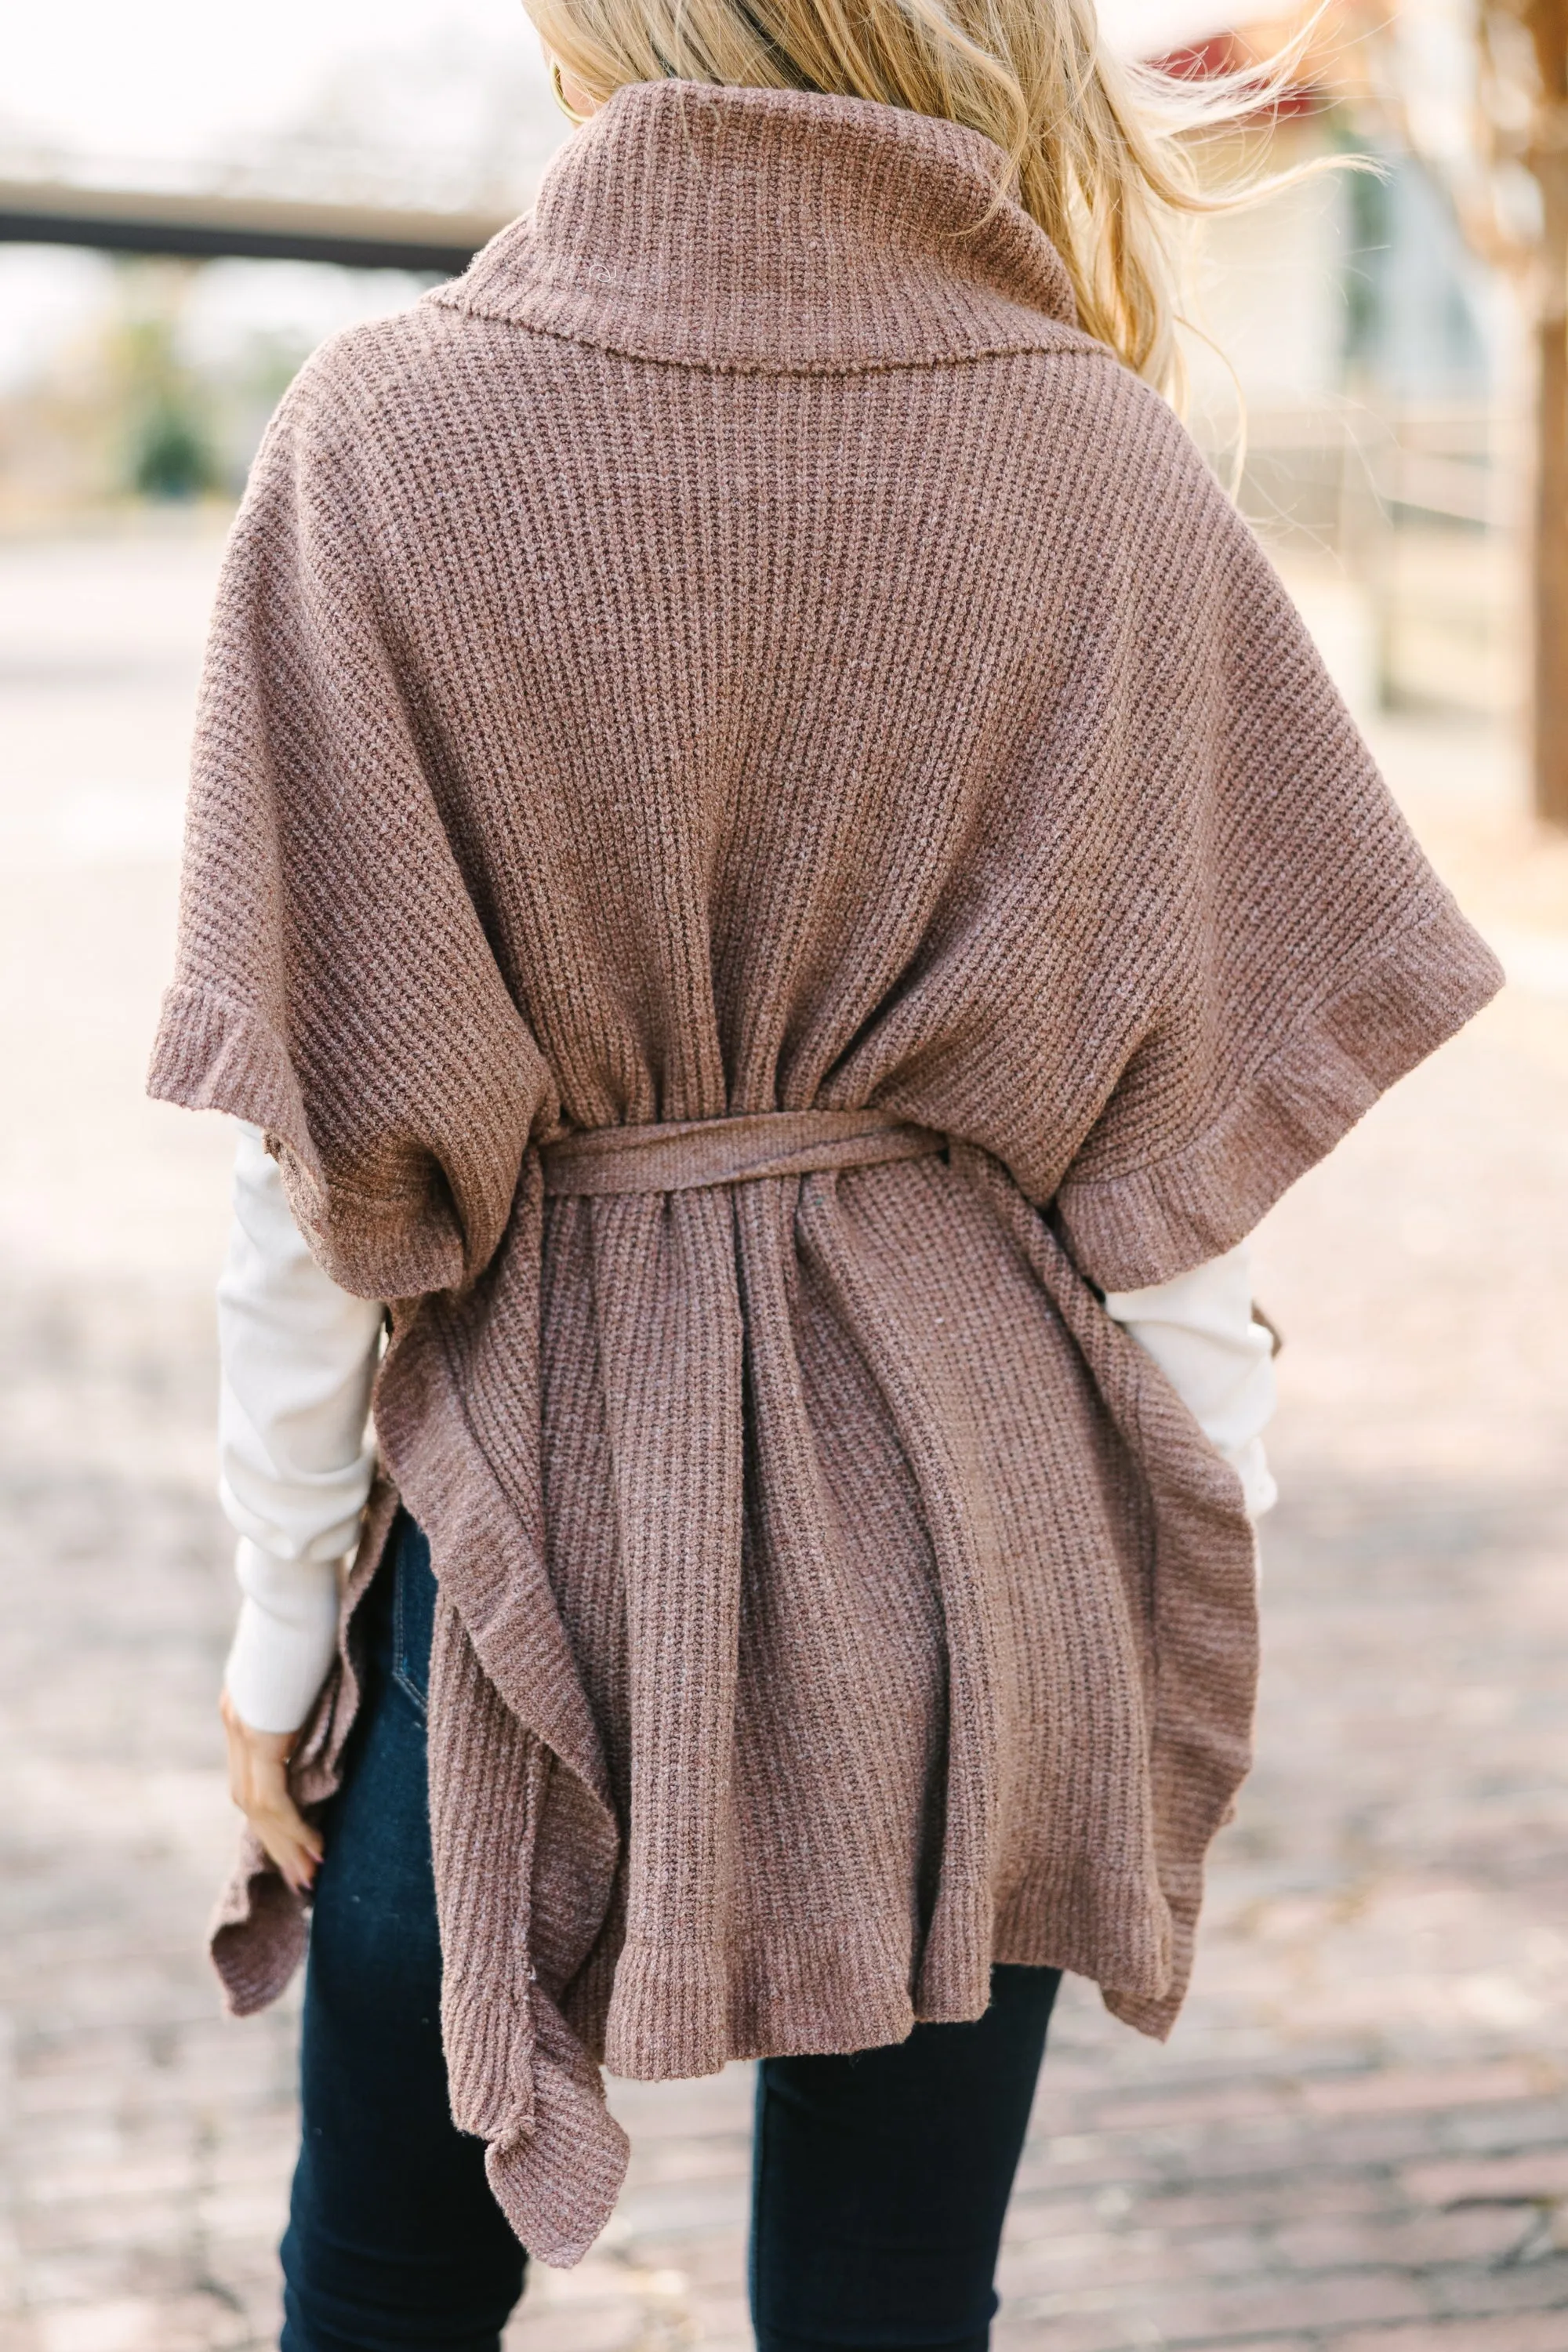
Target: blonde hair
1102,151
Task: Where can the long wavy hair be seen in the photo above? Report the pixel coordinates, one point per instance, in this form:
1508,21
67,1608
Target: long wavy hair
1102,152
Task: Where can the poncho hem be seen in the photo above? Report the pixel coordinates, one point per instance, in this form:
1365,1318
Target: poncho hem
1148,1224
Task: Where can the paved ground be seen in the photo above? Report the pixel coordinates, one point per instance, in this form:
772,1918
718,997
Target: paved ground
1358,2138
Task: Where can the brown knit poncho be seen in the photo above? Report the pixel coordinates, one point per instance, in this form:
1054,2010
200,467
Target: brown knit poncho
740,650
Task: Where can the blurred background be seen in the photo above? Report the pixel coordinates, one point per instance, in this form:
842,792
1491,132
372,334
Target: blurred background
1358,2138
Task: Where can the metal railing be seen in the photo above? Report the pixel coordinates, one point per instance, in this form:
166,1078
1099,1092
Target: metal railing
262,228
1423,506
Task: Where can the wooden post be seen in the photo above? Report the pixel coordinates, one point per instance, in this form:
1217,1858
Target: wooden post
1548,22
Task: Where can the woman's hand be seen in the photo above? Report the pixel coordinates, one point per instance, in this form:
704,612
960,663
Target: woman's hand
258,1783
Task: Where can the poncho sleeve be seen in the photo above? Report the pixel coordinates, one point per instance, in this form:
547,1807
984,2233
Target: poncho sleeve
334,983
1295,953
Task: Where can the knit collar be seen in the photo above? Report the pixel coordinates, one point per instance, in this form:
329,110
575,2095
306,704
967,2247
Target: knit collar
774,230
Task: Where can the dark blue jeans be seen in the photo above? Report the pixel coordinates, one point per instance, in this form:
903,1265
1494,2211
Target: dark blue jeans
880,2180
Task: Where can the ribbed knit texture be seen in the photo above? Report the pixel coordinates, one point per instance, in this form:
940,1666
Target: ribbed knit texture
741,649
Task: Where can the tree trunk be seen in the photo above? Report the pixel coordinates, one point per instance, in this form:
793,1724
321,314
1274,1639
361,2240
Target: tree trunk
1551,663
1548,21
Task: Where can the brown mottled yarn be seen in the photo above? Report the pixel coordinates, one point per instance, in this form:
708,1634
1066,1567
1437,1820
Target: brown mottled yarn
740,650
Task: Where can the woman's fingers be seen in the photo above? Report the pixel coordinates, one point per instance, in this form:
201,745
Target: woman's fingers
258,1783
294,1846
263,1797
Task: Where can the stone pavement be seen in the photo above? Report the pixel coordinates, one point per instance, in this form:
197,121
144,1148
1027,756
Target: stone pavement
1358,2137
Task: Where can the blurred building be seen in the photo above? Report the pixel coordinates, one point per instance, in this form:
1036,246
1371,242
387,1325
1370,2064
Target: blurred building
1348,346
1367,368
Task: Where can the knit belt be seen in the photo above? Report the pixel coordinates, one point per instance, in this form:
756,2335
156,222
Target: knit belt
688,1153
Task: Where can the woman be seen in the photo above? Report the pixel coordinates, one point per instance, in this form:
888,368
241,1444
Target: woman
781,881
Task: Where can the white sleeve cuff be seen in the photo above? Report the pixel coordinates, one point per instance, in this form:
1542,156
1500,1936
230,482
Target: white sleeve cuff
1251,1464
286,1639
1201,1332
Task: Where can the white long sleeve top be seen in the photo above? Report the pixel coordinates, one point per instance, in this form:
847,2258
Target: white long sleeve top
297,1356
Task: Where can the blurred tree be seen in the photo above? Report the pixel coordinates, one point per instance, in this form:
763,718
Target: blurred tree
1496,132
166,431
170,459
1545,154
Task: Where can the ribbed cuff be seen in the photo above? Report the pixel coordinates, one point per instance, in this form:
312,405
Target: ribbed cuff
277,1664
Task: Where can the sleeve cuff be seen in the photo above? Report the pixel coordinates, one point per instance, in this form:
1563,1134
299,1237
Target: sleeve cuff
284,1643
213,1055
1251,1464
1149,1225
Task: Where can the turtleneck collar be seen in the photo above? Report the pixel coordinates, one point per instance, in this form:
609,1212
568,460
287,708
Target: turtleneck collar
776,230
